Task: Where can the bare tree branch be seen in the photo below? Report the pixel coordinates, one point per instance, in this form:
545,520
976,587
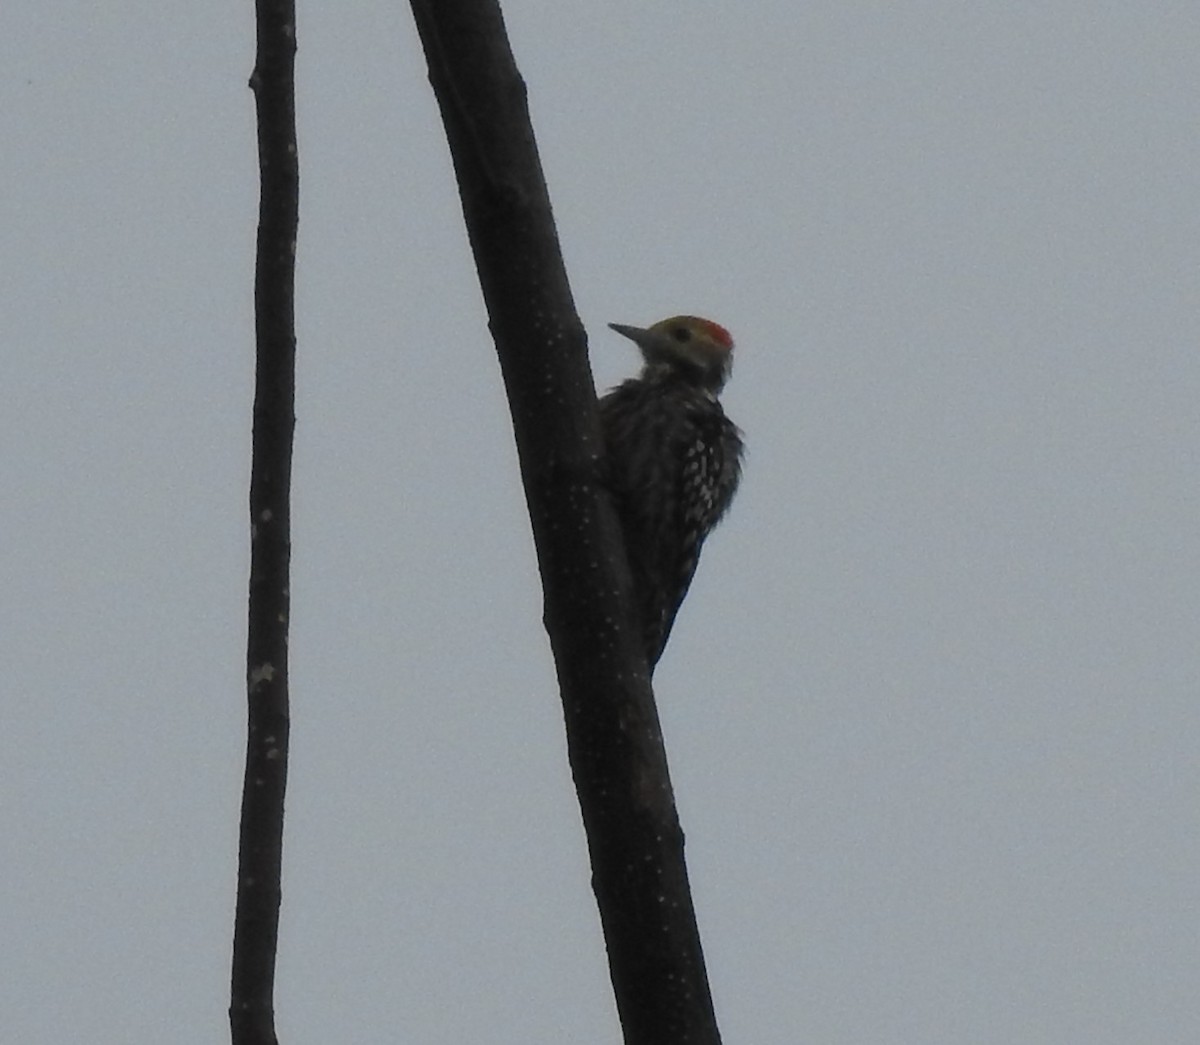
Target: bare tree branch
613,734
256,924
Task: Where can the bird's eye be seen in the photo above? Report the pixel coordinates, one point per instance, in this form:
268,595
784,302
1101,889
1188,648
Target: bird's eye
681,334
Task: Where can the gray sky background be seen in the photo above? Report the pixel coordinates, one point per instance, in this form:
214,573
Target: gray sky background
932,705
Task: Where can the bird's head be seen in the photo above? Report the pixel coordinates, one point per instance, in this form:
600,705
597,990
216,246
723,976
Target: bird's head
697,349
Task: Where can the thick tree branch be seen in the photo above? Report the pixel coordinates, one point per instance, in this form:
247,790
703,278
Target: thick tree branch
613,735
256,925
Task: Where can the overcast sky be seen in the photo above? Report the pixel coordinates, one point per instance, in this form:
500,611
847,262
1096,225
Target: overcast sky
932,705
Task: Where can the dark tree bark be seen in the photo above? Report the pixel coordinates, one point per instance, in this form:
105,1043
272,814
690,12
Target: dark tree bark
613,734
256,924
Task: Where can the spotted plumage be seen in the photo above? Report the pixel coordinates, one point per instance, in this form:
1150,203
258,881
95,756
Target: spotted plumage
674,461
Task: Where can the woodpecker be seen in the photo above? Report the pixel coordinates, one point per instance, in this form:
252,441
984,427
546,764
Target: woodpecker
673,460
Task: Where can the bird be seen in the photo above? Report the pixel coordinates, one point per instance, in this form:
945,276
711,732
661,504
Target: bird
673,461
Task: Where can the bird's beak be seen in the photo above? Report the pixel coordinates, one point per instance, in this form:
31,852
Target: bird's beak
635,334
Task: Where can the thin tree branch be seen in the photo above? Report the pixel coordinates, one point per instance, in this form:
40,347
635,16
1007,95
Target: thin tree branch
256,923
613,734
